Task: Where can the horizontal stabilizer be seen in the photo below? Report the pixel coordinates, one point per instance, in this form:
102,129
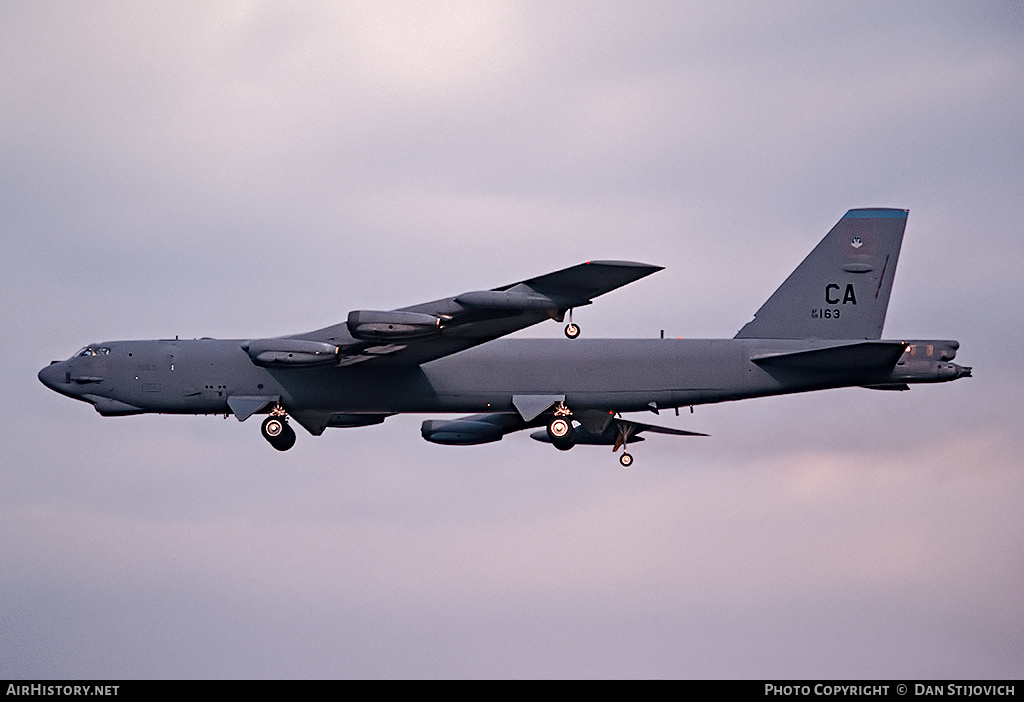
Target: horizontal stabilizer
860,357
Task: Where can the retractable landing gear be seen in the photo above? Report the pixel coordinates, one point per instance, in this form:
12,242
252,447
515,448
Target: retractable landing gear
625,431
571,330
276,431
562,433
560,429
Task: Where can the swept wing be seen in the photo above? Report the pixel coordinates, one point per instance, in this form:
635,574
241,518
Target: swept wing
413,335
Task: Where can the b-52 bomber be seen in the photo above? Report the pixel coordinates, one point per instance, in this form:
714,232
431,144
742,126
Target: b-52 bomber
821,329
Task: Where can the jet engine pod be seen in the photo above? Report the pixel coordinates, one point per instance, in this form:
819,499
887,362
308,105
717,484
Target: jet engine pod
369,325
460,432
290,352
516,300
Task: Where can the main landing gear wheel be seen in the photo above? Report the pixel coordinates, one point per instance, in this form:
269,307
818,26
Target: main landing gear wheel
562,433
272,428
626,460
559,428
277,432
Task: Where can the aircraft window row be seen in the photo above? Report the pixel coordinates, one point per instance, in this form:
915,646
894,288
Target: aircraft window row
94,351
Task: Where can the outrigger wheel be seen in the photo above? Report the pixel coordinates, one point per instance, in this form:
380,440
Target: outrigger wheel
572,330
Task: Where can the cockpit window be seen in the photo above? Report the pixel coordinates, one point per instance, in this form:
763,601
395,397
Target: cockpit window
94,351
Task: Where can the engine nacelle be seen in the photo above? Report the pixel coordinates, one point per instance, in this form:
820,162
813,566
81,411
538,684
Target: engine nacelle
516,300
369,325
290,352
460,432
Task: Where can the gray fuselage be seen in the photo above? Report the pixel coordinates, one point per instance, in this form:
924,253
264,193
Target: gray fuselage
621,375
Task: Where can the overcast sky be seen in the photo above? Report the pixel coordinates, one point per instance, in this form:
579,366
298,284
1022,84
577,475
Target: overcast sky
245,169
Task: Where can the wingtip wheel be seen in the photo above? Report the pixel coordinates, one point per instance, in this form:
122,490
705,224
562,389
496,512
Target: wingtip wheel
276,431
572,330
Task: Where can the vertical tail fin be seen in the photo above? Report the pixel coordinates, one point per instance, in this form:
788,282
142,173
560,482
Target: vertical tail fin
841,290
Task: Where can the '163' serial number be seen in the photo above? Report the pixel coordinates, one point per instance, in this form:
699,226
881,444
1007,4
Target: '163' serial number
825,313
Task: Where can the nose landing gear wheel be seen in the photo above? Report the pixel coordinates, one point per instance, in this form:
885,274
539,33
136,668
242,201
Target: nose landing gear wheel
626,460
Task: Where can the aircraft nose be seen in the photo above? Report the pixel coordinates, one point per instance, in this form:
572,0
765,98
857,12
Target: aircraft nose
53,376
